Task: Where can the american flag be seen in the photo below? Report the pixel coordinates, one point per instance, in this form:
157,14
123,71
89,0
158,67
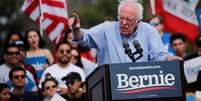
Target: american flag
54,16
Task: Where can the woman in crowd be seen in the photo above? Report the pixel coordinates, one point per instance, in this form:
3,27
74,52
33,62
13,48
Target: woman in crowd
76,59
82,56
4,92
36,54
85,52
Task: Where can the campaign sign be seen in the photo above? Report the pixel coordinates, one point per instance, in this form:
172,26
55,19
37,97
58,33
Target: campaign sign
145,80
191,69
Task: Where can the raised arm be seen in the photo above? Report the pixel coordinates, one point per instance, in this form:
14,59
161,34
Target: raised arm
74,24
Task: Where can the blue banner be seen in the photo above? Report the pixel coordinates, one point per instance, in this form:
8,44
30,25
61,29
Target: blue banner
145,80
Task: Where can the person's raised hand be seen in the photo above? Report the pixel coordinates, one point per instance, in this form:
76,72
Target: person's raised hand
74,25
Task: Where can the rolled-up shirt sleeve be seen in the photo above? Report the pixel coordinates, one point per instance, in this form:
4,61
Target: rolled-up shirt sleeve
93,37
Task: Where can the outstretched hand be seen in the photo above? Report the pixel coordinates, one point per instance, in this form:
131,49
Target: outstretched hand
74,24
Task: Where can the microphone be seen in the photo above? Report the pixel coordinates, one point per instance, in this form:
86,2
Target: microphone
128,50
126,47
137,46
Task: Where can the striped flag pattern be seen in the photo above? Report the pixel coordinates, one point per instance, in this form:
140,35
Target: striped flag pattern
54,16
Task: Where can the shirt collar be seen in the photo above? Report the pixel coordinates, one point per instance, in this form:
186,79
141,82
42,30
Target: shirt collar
131,36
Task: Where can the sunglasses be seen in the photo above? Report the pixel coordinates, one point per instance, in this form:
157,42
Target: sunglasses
13,53
19,76
154,23
53,86
67,51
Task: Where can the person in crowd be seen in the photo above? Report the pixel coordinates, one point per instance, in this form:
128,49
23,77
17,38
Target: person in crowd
87,53
12,37
76,58
17,76
36,54
4,92
12,60
87,65
157,22
194,86
15,36
49,87
63,66
108,37
198,49
20,45
178,43
76,91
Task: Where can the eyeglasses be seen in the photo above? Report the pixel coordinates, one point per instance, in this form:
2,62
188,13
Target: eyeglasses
13,53
67,51
19,76
128,19
53,86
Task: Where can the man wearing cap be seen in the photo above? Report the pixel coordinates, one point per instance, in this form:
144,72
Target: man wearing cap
75,85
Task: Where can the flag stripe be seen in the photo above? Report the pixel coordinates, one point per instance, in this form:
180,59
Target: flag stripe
35,14
54,11
46,23
57,3
54,14
55,18
56,31
51,27
32,7
25,6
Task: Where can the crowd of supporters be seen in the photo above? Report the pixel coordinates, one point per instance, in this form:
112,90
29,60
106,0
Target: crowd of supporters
31,72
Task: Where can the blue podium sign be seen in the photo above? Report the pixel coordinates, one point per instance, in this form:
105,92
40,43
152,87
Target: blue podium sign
145,80
139,81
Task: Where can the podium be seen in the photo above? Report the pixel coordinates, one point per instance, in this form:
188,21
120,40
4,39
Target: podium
140,81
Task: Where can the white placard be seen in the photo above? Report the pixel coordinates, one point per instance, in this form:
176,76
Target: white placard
191,69
184,9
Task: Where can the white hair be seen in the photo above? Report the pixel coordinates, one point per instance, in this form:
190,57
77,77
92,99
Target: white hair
132,2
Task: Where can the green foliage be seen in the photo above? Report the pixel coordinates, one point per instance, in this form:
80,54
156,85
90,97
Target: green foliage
92,14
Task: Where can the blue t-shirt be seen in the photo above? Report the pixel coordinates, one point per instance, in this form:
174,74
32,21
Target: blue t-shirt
37,62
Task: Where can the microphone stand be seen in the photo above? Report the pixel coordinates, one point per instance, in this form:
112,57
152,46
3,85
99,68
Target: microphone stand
129,52
139,56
